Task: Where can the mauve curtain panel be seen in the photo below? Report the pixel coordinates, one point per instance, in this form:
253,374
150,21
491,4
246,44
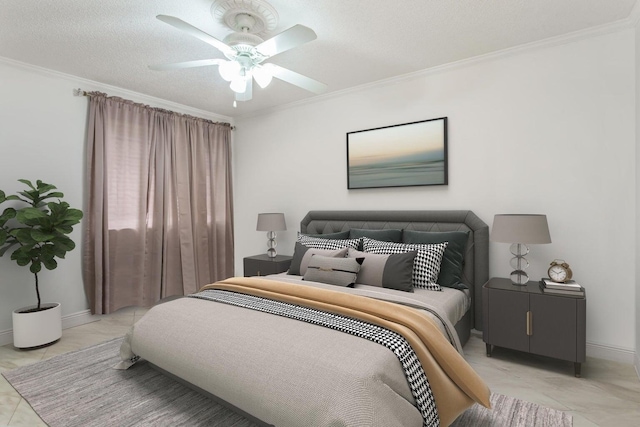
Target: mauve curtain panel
158,204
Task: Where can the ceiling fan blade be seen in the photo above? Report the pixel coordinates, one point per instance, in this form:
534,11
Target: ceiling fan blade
188,64
296,79
288,39
248,93
196,32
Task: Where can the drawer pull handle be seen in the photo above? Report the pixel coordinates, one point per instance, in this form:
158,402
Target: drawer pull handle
529,323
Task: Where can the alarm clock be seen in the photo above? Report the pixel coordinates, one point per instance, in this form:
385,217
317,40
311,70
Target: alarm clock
559,271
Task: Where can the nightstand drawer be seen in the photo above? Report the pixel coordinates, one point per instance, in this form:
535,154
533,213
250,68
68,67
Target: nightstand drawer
262,265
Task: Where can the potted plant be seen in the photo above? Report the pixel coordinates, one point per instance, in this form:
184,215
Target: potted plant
38,231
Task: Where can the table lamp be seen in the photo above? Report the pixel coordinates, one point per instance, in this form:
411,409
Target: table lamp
520,230
271,222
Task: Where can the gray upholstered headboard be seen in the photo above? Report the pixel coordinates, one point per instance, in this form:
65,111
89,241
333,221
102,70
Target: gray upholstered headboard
476,267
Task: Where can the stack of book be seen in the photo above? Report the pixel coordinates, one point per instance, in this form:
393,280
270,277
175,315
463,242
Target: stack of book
569,288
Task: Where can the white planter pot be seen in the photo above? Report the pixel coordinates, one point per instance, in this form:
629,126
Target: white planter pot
37,328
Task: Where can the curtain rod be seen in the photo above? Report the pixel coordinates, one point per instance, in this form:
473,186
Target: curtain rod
80,92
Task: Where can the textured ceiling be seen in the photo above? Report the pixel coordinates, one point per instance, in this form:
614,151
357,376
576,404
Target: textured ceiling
359,41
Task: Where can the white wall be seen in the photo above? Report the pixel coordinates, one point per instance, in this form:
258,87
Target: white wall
546,130
42,136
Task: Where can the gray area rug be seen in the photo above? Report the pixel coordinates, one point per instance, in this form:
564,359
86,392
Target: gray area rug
81,389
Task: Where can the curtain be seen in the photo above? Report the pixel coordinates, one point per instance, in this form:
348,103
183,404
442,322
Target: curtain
159,212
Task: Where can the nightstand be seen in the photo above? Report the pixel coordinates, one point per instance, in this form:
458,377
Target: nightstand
526,319
262,265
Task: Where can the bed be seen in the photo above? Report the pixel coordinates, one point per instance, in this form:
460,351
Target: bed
475,271
278,370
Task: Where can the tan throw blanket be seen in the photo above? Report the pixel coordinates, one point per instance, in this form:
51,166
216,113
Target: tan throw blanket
455,385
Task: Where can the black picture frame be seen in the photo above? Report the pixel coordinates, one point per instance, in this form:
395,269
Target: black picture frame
403,155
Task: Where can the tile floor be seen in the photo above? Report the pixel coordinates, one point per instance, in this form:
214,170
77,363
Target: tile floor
608,394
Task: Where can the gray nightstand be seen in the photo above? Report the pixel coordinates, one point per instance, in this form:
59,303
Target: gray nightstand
526,319
262,265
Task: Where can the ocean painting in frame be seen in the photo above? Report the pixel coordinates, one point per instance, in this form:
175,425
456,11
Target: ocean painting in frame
408,154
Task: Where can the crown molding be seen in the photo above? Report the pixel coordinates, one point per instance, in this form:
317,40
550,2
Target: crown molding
614,27
90,85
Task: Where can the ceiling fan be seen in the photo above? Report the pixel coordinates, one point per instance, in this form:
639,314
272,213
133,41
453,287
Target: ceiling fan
245,49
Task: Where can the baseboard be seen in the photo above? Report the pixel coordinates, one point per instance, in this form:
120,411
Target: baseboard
615,354
68,321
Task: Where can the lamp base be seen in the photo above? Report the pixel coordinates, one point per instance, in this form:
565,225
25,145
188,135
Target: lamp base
519,278
519,263
271,244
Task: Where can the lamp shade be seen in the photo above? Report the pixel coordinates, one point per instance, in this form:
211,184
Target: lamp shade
271,222
520,228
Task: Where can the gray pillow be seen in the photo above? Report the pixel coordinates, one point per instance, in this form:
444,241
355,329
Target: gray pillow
426,265
334,271
302,254
453,259
392,271
337,235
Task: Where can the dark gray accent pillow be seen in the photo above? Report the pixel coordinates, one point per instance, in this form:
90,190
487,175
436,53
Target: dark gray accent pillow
338,235
302,255
394,271
384,235
453,259
334,271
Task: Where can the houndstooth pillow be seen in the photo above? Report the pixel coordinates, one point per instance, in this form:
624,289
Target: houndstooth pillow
426,266
331,244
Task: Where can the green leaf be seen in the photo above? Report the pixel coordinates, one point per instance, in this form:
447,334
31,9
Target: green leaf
47,251
40,236
64,243
26,214
55,194
23,235
3,197
74,215
63,228
27,182
3,236
50,264
43,187
60,253
31,195
22,256
8,214
36,266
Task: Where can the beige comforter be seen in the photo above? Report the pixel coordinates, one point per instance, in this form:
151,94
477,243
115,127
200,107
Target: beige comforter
290,373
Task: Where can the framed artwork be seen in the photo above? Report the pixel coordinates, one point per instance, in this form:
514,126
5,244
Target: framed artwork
409,154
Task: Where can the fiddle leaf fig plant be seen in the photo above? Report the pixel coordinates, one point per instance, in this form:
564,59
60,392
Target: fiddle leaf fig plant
39,229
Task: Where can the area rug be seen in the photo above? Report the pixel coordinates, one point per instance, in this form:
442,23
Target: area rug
81,389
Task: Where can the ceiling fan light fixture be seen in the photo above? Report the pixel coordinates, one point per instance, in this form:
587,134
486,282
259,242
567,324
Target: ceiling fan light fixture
245,48
263,76
229,70
239,84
